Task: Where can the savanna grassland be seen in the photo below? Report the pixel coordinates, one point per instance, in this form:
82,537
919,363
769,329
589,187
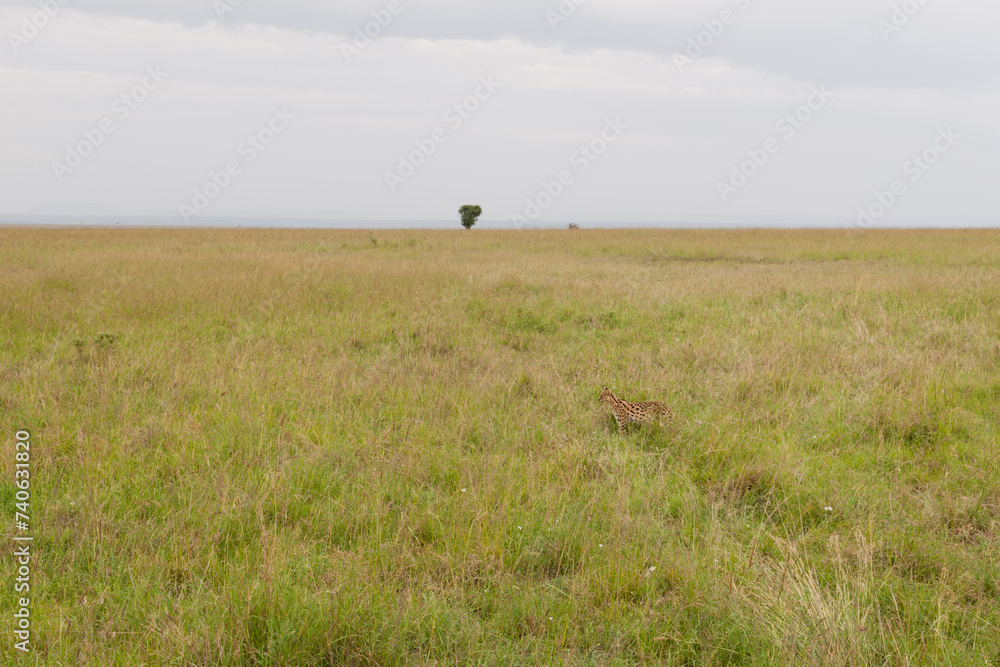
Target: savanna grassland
331,447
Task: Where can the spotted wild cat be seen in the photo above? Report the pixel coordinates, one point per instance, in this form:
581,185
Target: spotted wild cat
641,413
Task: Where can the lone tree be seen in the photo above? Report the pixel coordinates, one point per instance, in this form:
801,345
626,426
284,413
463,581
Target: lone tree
469,215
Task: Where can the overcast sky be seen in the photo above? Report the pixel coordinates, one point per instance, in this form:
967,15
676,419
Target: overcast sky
606,110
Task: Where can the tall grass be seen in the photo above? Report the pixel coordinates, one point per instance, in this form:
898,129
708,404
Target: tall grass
326,448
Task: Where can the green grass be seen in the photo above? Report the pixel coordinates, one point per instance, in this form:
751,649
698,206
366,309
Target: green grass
327,448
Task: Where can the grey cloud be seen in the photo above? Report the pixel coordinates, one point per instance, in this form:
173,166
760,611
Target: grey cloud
834,42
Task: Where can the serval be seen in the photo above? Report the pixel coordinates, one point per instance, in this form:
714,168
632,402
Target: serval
642,413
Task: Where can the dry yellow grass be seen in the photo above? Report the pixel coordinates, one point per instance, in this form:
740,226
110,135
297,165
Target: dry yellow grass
332,447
